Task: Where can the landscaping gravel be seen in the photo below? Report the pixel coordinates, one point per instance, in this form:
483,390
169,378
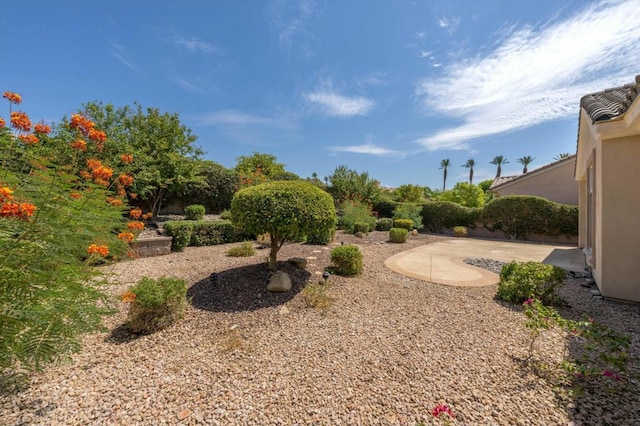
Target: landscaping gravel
388,350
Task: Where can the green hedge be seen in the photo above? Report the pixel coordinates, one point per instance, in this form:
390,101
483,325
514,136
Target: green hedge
403,223
202,233
520,215
384,224
398,235
384,208
194,212
346,260
440,215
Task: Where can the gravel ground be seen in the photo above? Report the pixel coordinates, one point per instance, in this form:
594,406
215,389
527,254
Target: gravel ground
388,350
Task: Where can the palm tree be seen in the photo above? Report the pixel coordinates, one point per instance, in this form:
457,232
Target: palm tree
525,161
561,156
469,165
499,160
444,164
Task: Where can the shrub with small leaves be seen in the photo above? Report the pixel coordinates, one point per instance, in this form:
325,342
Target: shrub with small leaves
225,215
243,250
194,212
181,233
410,211
155,304
346,260
398,235
361,227
384,224
403,223
321,236
352,212
459,231
520,281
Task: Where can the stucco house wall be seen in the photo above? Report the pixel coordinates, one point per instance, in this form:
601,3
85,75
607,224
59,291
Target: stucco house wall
554,182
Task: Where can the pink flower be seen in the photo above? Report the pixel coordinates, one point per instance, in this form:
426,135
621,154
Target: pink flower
528,302
442,409
609,373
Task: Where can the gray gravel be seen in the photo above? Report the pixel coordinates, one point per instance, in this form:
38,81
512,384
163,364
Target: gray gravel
389,350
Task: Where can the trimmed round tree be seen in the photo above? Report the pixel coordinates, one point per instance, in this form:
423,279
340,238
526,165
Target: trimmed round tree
286,210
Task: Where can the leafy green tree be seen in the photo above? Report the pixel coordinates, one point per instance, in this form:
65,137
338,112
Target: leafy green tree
486,184
525,161
470,164
465,194
408,193
317,181
163,149
259,167
347,184
499,160
444,164
220,184
286,210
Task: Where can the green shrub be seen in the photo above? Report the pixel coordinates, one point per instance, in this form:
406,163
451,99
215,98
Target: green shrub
347,260
384,224
243,250
459,231
440,215
465,194
194,212
398,235
384,208
321,236
352,212
361,227
520,215
225,215
520,281
181,231
403,223
156,304
409,211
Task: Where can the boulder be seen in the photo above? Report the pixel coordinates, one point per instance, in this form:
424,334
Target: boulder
279,281
359,234
298,261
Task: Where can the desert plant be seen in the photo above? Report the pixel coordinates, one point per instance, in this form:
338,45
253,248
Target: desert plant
346,260
459,231
194,212
243,250
287,210
352,212
409,211
155,304
403,223
362,227
398,235
520,281
316,295
384,224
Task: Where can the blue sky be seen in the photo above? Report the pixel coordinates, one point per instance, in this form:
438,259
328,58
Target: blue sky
388,87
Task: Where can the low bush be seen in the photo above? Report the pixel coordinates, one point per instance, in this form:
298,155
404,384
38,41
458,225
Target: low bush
202,233
243,250
403,223
520,281
409,211
361,227
398,235
225,215
440,215
316,296
194,212
155,304
459,231
352,212
346,260
384,224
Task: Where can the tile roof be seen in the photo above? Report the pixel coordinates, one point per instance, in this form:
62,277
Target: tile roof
502,180
610,103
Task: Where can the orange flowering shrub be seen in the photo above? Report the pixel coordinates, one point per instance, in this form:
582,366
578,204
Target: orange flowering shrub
147,216
97,136
93,164
79,144
125,180
75,195
128,297
14,98
20,121
114,201
102,172
29,139
96,249
135,213
42,128
2,123
126,158
127,237
135,225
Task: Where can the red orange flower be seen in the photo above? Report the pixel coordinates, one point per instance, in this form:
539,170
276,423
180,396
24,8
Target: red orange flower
127,237
93,164
85,174
97,135
20,121
114,201
83,124
147,216
75,195
125,180
126,158
2,123
22,211
42,128
128,297
14,98
133,195
135,213
102,172
79,144
96,249
29,139
138,226
5,194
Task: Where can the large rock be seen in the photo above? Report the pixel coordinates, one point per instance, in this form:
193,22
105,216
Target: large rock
279,281
298,261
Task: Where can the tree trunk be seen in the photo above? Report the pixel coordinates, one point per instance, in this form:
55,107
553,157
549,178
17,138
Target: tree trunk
276,244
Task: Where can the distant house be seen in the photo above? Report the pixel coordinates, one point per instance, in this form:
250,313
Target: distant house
608,171
555,182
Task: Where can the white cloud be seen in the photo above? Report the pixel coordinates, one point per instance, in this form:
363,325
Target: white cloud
373,79
367,148
290,21
195,45
232,117
334,104
118,51
187,85
424,54
421,34
535,74
449,24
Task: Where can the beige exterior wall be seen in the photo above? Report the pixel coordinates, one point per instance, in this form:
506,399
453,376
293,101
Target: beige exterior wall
556,183
618,245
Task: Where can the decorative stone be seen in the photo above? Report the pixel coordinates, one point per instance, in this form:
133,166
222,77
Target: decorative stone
284,310
298,261
279,281
359,235
184,414
414,232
